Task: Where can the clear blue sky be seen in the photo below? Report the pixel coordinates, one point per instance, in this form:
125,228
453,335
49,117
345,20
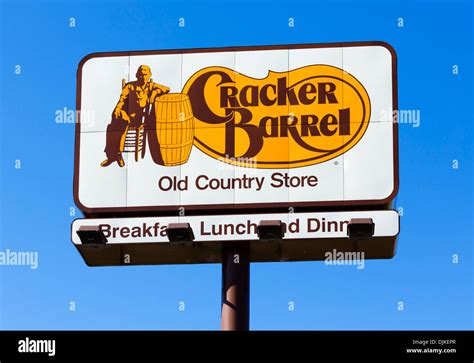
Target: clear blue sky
437,200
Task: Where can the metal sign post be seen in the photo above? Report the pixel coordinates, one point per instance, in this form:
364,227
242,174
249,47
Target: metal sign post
235,287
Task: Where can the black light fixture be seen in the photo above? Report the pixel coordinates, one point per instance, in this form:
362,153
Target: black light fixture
272,229
180,232
360,228
91,235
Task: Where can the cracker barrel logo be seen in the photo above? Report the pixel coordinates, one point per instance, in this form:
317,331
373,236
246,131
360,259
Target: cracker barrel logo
289,119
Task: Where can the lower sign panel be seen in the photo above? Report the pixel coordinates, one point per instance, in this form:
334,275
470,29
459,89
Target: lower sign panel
308,236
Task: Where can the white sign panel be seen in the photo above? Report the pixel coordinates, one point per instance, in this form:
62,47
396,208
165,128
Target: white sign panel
246,127
238,227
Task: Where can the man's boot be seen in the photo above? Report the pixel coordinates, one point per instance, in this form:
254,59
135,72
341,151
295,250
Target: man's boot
120,161
106,162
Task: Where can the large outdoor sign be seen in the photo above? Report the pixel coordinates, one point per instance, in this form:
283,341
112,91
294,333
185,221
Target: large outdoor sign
308,236
246,127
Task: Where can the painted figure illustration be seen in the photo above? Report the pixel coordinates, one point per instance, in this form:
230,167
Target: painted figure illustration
127,127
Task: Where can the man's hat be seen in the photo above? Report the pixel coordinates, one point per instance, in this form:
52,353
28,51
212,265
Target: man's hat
144,68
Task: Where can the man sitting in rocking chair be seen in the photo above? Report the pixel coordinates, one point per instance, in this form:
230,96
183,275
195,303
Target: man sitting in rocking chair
130,110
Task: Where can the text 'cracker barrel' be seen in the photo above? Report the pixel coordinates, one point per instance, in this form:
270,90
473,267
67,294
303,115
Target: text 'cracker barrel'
174,127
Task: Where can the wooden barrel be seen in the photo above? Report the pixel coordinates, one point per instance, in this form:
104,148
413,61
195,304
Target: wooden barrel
174,127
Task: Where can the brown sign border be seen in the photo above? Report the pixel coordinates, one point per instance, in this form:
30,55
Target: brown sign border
231,207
